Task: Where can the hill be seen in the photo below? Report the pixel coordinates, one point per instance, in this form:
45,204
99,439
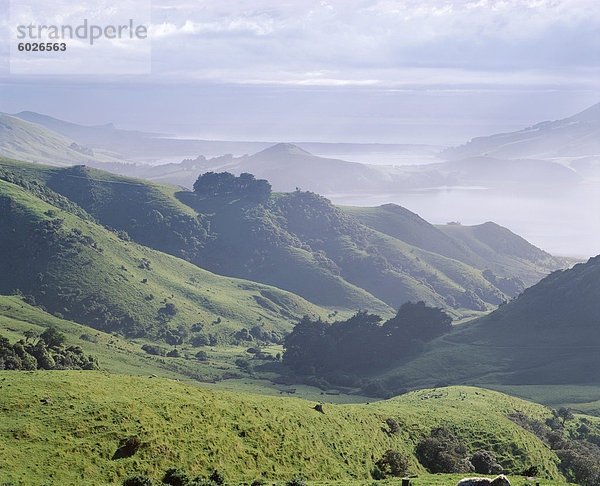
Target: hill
547,336
575,136
56,253
489,247
86,416
23,140
287,166
299,242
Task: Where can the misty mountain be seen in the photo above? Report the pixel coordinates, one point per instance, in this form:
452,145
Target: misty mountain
575,136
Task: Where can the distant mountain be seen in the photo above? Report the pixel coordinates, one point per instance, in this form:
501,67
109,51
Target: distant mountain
576,136
550,334
287,166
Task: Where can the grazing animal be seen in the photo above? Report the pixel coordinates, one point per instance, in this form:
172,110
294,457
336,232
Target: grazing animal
501,480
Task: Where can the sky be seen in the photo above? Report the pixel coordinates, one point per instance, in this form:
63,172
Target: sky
418,71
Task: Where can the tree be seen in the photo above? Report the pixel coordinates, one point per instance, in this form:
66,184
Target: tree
565,414
53,337
30,334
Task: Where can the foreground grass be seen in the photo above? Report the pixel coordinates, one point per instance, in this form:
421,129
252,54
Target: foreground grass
72,440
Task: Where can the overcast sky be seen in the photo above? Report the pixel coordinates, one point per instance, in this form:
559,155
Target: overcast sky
387,71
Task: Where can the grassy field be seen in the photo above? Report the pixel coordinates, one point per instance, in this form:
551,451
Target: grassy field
72,439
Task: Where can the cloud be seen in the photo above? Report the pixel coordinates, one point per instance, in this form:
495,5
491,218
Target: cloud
354,38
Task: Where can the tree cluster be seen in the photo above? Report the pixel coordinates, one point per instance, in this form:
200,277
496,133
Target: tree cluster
226,184
361,344
578,450
44,352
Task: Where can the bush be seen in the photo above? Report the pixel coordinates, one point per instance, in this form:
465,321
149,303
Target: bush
138,480
443,452
217,477
176,477
132,445
393,463
154,350
485,462
174,353
393,425
377,474
202,356
297,481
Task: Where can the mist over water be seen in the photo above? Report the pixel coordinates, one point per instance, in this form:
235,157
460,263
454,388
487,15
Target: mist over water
564,222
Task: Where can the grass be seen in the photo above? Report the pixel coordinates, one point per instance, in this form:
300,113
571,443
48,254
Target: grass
372,258
79,280
73,439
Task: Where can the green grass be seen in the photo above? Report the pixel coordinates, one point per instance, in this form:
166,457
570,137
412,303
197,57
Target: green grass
73,440
23,140
80,279
370,258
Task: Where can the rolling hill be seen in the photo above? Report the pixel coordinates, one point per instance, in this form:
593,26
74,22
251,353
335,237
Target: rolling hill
76,268
86,416
547,336
28,141
299,242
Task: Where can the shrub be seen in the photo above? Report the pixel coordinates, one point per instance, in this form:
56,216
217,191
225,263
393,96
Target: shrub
138,480
174,353
393,425
132,445
485,462
297,481
443,452
217,477
176,477
393,463
202,356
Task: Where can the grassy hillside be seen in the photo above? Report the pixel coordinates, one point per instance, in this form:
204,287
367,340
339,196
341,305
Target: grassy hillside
78,269
20,139
300,242
73,438
547,336
486,246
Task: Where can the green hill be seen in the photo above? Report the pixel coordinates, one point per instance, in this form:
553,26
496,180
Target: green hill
299,242
71,436
487,246
547,336
53,251
23,140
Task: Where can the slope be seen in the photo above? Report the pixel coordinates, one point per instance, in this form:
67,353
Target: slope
74,437
548,335
76,268
489,247
297,241
23,140
575,136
